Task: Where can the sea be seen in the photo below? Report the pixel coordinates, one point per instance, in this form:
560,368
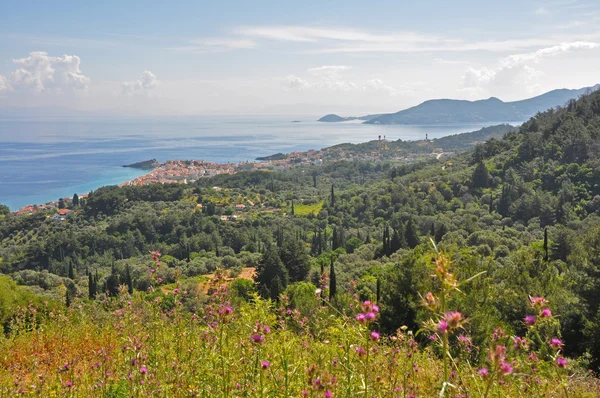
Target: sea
42,160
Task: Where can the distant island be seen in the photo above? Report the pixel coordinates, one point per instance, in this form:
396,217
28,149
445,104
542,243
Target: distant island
333,118
277,156
450,111
145,165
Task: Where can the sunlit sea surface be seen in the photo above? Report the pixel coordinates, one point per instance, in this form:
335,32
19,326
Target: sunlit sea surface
44,159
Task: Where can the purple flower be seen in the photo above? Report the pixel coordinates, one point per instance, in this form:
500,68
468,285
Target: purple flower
506,368
442,326
370,316
374,336
265,365
267,329
561,362
546,313
530,319
483,372
143,370
360,351
257,338
69,384
328,394
556,343
361,318
375,308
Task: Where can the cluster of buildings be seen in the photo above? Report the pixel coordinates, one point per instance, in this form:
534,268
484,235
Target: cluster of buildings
61,210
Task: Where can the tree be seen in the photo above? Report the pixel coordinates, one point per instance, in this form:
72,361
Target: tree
294,256
71,270
481,176
92,286
397,241
4,210
314,176
332,280
271,275
128,280
75,200
292,212
546,257
112,283
412,237
332,196
61,203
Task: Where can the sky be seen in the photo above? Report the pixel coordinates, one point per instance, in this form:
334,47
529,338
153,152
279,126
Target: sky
289,57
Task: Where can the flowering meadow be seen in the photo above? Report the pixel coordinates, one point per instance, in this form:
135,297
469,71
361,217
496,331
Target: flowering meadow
148,344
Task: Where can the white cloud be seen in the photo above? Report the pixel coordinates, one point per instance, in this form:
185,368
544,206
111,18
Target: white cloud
542,11
514,73
327,79
140,86
538,55
3,84
40,72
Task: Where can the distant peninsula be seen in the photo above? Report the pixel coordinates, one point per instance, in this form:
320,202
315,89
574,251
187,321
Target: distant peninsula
451,111
333,118
145,165
277,156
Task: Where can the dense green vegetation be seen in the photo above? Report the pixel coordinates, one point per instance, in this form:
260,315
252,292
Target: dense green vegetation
519,213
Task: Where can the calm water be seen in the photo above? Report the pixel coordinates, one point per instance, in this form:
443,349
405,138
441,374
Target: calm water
42,160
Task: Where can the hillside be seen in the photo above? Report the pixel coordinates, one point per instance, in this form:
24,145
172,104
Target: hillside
514,223
449,111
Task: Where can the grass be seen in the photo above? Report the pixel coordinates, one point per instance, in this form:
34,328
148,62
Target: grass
306,210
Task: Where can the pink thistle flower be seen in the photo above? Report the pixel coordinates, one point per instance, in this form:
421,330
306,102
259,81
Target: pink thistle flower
258,339
374,336
546,313
361,318
506,368
265,365
442,326
561,362
69,384
556,343
530,319
367,304
328,394
360,351
267,329
520,342
369,316
375,308
538,301
453,319
483,372
143,370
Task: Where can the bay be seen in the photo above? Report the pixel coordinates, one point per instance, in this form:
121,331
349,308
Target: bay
44,159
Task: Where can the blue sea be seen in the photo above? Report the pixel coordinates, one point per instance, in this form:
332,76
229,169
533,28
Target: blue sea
44,159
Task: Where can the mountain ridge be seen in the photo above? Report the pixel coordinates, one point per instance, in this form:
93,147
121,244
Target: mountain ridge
493,109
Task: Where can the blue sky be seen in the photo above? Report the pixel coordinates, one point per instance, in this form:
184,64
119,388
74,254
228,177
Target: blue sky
290,57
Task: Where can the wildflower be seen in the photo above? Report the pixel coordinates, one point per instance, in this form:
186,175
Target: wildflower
453,319
370,316
499,353
143,370
328,394
360,351
506,368
530,319
538,302
361,318
546,313
561,362
318,291
267,329
556,343
483,372
430,300
69,384
375,308
258,339
520,342
374,336
265,365
442,326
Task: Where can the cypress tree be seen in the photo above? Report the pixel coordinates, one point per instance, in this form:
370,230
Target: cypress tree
271,275
332,281
75,200
332,196
128,280
314,180
412,237
292,207
91,289
68,299
546,257
378,290
71,270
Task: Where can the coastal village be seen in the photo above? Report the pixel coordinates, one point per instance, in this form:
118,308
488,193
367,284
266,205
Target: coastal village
189,171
